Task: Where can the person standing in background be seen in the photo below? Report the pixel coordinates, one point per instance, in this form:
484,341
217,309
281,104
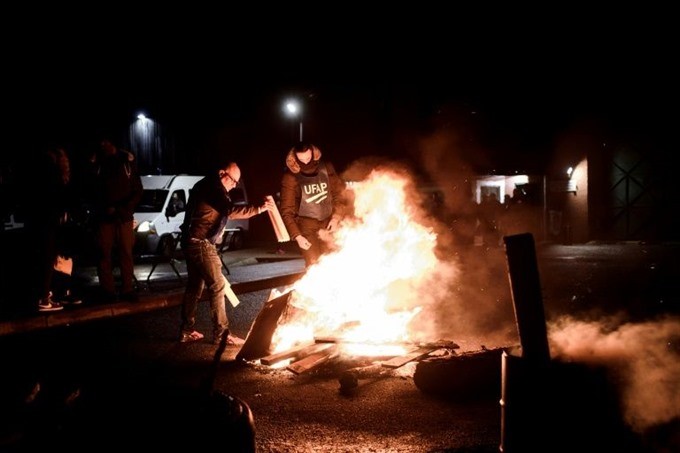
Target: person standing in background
46,209
67,242
117,191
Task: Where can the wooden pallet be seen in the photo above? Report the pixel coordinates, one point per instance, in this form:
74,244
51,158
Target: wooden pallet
313,360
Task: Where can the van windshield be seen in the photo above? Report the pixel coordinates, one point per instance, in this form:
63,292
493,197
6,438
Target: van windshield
152,200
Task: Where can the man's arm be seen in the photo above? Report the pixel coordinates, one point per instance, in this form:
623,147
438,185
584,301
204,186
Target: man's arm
244,212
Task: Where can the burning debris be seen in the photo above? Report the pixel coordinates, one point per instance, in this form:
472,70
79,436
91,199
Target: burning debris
381,284
308,356
378,305
384,293
375,300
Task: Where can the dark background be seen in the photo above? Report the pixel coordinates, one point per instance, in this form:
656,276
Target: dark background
433,88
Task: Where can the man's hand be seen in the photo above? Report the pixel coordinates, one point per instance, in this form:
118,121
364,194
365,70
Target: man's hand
268,205
302,241
333,224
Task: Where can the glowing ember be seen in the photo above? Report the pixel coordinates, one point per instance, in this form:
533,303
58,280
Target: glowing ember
372,286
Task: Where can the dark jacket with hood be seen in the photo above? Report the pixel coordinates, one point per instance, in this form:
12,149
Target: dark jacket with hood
309,190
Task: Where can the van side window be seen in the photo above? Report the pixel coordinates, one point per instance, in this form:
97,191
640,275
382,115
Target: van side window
177,203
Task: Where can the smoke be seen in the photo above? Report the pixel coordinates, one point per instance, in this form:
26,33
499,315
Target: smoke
640,357
477,306
466,298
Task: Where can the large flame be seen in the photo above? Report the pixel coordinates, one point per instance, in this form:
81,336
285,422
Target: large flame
367,290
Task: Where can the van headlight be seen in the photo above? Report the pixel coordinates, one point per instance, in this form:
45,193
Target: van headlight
146,227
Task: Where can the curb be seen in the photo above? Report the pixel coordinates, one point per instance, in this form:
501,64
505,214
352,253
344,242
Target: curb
146,303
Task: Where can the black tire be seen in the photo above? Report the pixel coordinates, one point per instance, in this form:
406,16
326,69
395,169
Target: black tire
237,240
232,240
475,374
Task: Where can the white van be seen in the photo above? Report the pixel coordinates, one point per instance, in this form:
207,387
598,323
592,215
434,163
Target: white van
161,212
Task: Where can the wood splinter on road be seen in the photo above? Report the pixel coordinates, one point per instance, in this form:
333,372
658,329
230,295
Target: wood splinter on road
349,379
415,354
313,360
296,353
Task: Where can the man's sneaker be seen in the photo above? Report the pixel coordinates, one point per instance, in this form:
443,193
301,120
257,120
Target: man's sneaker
47,304
233,340
188,337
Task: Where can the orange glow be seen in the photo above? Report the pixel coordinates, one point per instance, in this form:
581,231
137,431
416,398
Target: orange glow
369,289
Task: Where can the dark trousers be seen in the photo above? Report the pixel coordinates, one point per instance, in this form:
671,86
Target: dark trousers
204,270
45,251
119,237
310,229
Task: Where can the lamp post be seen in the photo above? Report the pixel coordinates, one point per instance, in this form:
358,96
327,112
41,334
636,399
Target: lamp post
294,110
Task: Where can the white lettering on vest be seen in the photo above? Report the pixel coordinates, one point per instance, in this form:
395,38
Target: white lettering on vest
315,188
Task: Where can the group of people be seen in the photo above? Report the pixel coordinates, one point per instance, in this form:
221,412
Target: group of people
112,187
311,191
310,194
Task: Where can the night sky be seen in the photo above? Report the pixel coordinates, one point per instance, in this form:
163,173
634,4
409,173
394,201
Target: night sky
505,93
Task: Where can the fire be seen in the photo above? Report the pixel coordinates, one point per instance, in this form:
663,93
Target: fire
369,289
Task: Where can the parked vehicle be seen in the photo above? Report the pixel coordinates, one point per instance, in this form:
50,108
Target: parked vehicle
161,212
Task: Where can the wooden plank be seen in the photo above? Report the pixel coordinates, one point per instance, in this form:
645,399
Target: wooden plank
415,354
327,340
435,344
283,355
259,339
446,344
312,361
295,353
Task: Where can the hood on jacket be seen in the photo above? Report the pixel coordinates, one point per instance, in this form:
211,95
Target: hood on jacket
294,165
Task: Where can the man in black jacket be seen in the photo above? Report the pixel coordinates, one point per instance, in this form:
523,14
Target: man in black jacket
208,209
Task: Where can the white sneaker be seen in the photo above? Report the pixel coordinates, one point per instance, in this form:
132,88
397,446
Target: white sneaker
47,304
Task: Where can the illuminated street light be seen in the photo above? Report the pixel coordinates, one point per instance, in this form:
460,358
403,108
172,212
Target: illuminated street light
146,143
294,110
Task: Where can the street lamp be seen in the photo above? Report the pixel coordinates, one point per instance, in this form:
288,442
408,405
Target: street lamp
146,142
294,110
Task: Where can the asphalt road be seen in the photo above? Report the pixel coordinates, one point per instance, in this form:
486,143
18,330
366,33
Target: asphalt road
125,382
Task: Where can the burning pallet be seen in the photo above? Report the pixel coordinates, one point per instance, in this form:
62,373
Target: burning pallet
309,357
305,358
